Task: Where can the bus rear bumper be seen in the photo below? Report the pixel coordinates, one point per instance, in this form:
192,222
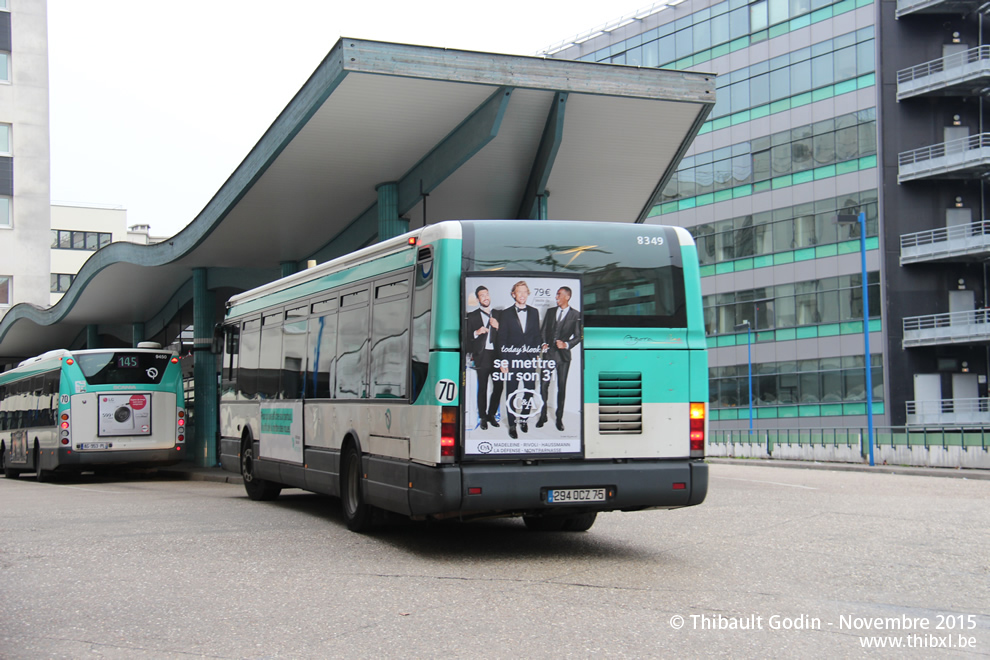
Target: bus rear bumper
476,489
79,460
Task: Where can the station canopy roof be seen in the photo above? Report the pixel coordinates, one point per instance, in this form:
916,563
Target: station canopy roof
473,135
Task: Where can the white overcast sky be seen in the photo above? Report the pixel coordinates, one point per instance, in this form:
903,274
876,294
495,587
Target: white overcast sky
153,105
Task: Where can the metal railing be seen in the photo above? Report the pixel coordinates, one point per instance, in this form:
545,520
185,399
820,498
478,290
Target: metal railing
947,63
958,146
976,437
948,412
946,242
978,317
948,406
944,234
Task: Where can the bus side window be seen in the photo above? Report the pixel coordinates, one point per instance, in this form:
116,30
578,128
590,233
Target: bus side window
353,337
51,392
269,364
228,363
3,408
390,341
321,356
293,359
247,360
422,307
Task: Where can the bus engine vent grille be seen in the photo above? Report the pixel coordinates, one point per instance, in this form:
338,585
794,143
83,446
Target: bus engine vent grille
620,402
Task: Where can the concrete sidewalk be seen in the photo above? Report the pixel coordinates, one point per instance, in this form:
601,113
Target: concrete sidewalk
191,472
950,473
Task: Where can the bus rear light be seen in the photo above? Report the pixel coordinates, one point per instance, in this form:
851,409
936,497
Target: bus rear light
65,441
680,485
181,422
65,426
70,361
448,431
474,490
182,438
697,430
175,360
65,417
182,413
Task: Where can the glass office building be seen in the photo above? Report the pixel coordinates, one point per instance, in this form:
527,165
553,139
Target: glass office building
828,109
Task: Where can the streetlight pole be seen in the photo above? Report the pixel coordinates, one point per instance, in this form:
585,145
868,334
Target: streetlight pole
749,361
861,219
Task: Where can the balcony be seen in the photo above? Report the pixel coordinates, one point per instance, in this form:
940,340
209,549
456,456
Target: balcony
948,412
946,329
959,74
960,243
965,158
905,7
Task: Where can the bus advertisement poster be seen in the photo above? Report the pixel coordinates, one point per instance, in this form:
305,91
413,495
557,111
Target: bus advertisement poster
522,348
281,431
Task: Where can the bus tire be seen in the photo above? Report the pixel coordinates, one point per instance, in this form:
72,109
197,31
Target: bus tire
8,472
257,489
580,523
544,523
357,512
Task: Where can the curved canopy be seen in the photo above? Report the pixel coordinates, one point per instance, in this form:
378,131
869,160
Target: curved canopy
473,135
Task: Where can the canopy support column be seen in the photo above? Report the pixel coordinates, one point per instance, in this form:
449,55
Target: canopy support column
137,334
93,336
390,224
204,447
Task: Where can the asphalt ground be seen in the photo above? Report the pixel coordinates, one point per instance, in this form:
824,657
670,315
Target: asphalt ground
776,563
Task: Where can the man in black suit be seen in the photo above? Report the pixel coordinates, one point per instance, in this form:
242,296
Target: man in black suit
561,332
519,341
482,338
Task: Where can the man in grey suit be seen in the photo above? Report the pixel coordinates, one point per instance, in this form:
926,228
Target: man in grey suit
561,332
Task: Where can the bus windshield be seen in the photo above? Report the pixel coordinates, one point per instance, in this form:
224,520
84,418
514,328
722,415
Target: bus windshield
631,274
120,367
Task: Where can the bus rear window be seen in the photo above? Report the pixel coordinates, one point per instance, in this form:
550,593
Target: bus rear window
631,274
122,367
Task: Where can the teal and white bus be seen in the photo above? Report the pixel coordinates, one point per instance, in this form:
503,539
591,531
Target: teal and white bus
425,375
82,410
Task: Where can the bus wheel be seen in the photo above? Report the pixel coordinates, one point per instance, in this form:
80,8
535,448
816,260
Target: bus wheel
257,489
357,512
580,523
544,523
8,472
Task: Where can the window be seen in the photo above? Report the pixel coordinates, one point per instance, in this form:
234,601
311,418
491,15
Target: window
61,282
5,216
5,67
4,290
390,341
5,149
63,239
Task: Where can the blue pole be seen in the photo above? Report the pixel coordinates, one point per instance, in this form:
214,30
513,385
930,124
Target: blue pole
749,360
866,334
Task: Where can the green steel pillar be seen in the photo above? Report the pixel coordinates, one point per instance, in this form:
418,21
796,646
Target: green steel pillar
204,447
541,206
390,224
92,336
288,268
137,333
